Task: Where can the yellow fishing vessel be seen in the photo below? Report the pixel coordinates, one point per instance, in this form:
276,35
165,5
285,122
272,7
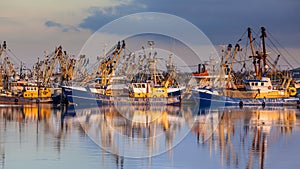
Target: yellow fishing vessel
14,89
258,88
150,83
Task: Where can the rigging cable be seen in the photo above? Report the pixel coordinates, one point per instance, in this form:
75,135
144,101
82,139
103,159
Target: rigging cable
285,49
280,53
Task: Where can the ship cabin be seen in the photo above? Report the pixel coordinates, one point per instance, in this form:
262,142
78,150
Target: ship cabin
263,85
17,86
115,87
36,92
145,90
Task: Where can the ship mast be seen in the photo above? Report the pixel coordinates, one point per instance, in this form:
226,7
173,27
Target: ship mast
152,63
258,54
264,56
253,53
2,49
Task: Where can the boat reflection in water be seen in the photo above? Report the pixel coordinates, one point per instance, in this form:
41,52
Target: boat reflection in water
243,136
136,131
251,137
31,129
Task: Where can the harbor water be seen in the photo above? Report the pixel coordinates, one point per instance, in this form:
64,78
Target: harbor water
43,136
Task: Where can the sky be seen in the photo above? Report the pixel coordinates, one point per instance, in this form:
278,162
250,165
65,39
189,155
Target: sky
33,26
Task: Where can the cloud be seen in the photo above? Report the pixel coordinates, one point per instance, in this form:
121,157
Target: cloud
63,28
108,11
223,21
93,23
99,16
52,24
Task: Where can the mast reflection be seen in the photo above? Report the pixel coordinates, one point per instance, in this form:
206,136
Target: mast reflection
38,120
241,138
143,131
245,134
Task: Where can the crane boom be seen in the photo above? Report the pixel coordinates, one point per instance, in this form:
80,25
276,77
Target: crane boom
236,49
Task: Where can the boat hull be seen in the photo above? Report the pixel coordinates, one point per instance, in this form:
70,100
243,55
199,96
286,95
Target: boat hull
206,98
22,100
83,96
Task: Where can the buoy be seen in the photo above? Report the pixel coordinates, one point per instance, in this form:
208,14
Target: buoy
292,91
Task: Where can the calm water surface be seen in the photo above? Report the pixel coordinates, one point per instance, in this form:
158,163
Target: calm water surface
166,137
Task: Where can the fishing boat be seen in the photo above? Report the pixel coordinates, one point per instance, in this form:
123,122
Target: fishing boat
257,91
96,88
13,89
91,94
30,93
145,87
151,85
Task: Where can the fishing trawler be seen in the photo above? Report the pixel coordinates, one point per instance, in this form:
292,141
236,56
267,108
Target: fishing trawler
95,88
257,91
107,88
29,94
14,90
151,85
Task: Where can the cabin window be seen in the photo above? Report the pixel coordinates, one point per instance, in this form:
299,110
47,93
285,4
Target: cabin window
139,85
134,85
252,84
256,84
143,86
262,84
